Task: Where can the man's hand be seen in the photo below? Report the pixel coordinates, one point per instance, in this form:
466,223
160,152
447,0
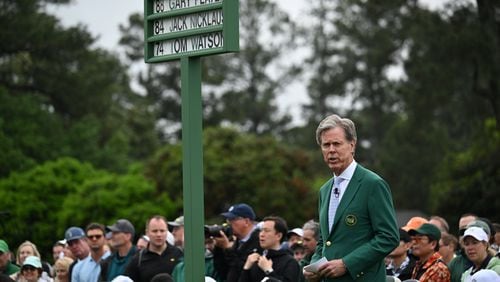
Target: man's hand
311,276
222,241
251,259
333,268
265,264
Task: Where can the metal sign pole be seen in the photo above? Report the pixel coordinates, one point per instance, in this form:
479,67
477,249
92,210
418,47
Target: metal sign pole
192,168
188,30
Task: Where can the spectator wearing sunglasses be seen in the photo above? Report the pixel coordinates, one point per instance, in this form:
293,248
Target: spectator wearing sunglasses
31,270
98,250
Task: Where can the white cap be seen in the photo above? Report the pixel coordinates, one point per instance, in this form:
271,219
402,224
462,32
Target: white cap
485,275
477,232
122,278
297,231
209,279
170,238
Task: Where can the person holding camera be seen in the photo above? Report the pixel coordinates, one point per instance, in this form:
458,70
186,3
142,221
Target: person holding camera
231,252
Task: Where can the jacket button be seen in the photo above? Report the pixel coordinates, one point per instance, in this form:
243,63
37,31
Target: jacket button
328,243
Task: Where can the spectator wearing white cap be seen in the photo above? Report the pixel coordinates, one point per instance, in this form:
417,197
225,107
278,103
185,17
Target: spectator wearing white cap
178,231
476,242
485,275
294,236
31,270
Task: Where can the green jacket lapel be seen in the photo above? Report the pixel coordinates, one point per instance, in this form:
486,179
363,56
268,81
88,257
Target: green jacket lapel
348,195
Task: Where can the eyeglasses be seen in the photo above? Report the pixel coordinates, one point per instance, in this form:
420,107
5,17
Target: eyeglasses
29,268
61,270
461,232
94,237
419,239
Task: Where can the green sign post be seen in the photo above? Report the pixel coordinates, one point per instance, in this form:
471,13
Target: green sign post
187,30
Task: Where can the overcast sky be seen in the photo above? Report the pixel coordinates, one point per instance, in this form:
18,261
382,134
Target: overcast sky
102,18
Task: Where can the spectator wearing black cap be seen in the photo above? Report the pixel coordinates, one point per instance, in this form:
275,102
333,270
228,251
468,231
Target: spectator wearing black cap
178,231
122,236
400,264
158,257
230,254
430,266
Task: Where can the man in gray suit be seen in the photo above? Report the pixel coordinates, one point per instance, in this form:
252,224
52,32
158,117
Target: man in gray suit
358,226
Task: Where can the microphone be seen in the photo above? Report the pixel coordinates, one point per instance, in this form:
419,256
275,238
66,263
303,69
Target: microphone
336,192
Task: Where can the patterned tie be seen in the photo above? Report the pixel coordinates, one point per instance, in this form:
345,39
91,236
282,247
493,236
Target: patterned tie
334,201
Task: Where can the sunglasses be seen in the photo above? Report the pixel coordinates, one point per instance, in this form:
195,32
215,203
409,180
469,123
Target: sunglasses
461,232
94,237
29,268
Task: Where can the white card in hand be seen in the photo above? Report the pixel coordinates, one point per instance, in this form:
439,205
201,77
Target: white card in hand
313,267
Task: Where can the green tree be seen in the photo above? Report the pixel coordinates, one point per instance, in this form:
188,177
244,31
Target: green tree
260,171
248,81
83,92
468,181
31,201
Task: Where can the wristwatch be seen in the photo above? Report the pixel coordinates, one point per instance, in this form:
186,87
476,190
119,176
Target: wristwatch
269,271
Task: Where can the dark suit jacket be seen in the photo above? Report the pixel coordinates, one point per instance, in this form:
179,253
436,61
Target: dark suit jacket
365,229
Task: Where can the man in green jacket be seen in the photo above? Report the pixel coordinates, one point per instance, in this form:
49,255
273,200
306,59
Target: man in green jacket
357,220
6,266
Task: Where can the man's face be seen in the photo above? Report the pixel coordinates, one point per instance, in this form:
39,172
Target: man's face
95,239
309,242
462,225
400,250
239,225
79,248
338,153
178,232
56,251
268,237
293,239
157,232
445,250
4,259
141,244
119,239
422,246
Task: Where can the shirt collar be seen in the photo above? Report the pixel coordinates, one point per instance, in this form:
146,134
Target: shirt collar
348,172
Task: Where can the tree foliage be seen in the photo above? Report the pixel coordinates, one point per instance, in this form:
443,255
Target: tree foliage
259,171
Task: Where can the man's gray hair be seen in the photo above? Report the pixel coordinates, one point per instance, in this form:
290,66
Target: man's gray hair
313,226
333,121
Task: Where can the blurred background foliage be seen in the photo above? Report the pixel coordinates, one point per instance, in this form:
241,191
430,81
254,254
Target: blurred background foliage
78,144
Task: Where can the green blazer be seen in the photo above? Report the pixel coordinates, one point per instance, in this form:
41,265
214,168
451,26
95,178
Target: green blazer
365,229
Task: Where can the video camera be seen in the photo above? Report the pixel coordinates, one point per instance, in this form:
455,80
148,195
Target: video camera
214,230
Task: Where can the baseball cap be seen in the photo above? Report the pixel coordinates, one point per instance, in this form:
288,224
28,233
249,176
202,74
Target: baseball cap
177,222
122,225
485,275
427,229
33,261
481,224
239,210
74,233
414,223
4,248
296,231
476,232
